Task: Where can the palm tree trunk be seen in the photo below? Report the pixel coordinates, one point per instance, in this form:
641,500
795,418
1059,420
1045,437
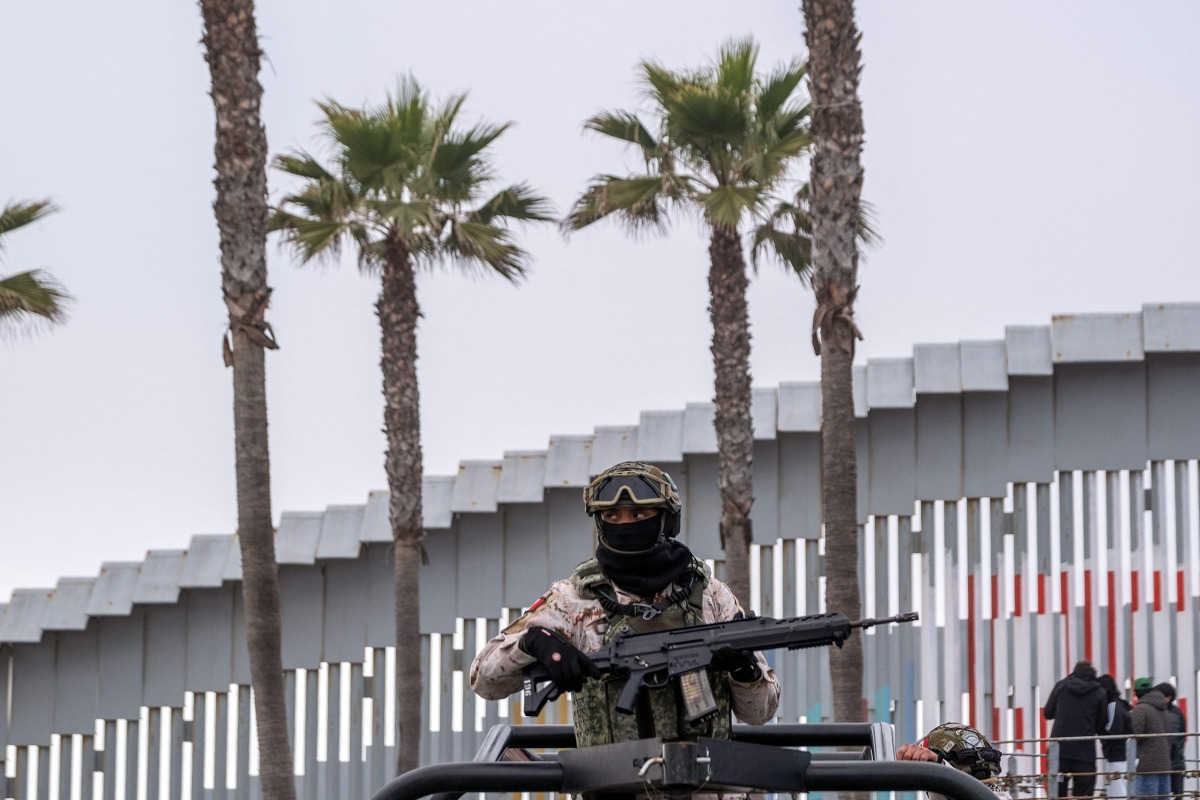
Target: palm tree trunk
834,64
727,284
398,313
232,52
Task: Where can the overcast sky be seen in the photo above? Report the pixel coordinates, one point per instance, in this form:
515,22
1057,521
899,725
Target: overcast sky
1025,159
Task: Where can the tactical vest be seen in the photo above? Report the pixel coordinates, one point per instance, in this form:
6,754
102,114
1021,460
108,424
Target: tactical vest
659,711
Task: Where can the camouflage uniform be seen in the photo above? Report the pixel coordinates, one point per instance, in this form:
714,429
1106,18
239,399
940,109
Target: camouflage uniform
496,671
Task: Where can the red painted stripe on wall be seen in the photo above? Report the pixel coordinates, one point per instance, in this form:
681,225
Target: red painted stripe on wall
1136,599
1041,609
1087,615
1017,595
1158,590
1180,596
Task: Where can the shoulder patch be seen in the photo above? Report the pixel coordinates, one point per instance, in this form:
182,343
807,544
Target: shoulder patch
519,623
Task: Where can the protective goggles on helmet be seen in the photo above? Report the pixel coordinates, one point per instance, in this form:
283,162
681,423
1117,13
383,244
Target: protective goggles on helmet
982,762
640,489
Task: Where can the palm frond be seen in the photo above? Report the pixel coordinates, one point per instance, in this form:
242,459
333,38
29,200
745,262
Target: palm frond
727,205
302,165
486,246
34,293
735,65
18,214
778,88
638,201
408,216
517,202
625,126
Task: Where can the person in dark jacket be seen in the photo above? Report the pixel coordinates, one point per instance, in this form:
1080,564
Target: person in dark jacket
1120,723
1176,723
1151,781
1079,708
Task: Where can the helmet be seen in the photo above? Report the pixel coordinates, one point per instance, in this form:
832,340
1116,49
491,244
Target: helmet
965,749
638,484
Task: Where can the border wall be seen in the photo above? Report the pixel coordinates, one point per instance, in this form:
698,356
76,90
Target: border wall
1035,498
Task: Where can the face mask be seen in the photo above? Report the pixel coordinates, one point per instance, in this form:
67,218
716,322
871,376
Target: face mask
632,537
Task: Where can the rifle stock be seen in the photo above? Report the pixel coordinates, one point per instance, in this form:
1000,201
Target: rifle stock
661,655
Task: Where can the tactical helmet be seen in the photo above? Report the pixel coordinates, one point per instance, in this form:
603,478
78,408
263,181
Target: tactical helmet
636,484
965,749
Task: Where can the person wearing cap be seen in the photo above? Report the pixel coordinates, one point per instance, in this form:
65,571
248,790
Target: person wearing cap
1142,685
959,746
1176,724
1152,778
1079,708
640,578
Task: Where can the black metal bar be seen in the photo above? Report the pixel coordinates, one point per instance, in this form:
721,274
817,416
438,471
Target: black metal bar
471,776
894,775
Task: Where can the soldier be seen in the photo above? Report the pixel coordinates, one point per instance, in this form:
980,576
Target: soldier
640,579
963,748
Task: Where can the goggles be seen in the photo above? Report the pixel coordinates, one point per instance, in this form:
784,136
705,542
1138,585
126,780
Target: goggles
972,756
610,491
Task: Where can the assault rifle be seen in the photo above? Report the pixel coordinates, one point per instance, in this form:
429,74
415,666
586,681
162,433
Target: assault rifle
652,659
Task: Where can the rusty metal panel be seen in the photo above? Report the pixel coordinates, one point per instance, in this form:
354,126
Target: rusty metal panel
76,669
481,572
437,492
1173,395
984,366
476,487
568,461
800,407
701,505
208,652
205,562
1030,428
299,532
800,485
441,546
1173,327
700,428
339,532
158,579
345,610
613,444
1029,350
937,368
985,444
23,620
764,411
113,593
660,436
890,383
939,446
376,521
301,598
526,554
166,650
893,462
67,609
1096,337
1100,416
523,477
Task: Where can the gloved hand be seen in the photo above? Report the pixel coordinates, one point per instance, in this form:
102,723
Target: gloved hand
741,665
567,665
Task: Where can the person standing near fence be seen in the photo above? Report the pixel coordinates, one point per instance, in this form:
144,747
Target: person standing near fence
1120,723
1151,781
1078,706
1178,725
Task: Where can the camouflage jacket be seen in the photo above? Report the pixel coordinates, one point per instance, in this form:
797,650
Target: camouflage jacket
496,671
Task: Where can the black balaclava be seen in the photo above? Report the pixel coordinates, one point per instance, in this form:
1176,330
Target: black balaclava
638,558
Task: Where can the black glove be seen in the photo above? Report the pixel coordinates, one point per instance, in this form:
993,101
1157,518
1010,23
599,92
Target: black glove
741,665
567,665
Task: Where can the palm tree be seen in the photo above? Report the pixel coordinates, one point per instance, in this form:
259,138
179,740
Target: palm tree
837,175
725,142
406,187
34,294
231,49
